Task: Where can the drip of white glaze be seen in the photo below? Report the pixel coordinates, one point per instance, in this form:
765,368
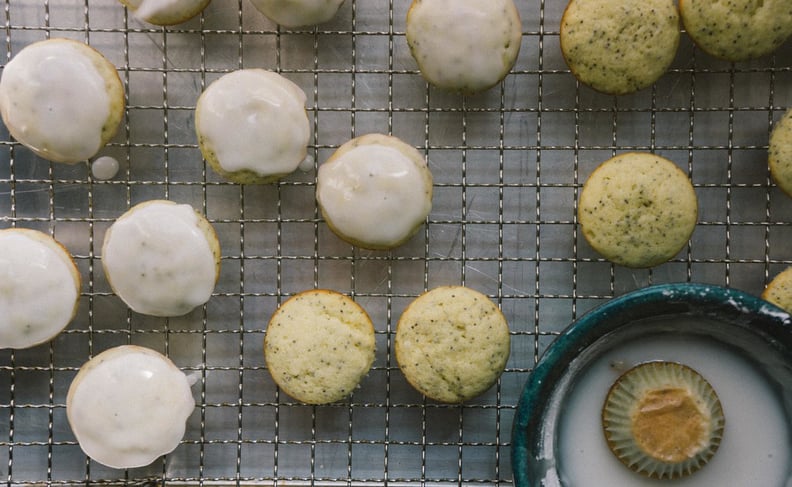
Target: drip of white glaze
104,168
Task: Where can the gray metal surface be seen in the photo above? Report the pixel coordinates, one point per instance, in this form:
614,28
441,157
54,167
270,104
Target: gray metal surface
508,167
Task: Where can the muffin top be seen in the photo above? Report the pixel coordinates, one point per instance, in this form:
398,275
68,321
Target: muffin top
319,345
619,46
62,99
370,180
638,209
464,46
737,30
128,405
40,288
452,343
252,126
161,258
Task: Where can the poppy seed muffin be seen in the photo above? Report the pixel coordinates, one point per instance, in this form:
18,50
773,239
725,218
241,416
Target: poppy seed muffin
619,46
465,46
62,99
780,153
129,405
319,345
298,13
252,126
40,288
165,12
779,290
452,343
161,258
737,30
370,180
638,209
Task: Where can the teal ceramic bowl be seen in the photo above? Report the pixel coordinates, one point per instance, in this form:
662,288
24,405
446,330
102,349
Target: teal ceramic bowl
745,323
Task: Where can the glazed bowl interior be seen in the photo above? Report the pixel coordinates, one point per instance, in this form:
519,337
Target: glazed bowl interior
744,324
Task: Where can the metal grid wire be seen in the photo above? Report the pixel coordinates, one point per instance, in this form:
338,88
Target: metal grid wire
508,167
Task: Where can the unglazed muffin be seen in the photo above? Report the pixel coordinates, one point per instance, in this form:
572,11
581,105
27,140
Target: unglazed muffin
128,405
452,343
779,290
638,209
465,46
375,191
40,288
165,12
298,13
62,99
252,126
780,153
619,46
737,30
319,345
161,258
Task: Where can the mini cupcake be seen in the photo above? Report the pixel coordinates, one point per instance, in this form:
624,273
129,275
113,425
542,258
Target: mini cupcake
371,180
128,406
165,12
663,420
162,258
298,13
62,99
464,46
252,126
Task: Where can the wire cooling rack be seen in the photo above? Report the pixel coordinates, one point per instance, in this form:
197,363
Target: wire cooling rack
508,167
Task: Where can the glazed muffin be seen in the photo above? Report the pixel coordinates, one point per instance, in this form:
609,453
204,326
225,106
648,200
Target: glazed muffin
373,179
619,46
298,13
252,126
62,99
128,406
165,12
663,420
737,30
41,288
161,258
638,209
452,343
465,46
779,290
319,345
780,153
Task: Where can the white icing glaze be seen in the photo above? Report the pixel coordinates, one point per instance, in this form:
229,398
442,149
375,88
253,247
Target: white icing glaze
164,12
158,259
104,167
38,288
466,45
53,100
128,405
297,13
255,120
375,190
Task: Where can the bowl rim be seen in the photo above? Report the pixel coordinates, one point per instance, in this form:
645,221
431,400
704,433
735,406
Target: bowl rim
693,298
